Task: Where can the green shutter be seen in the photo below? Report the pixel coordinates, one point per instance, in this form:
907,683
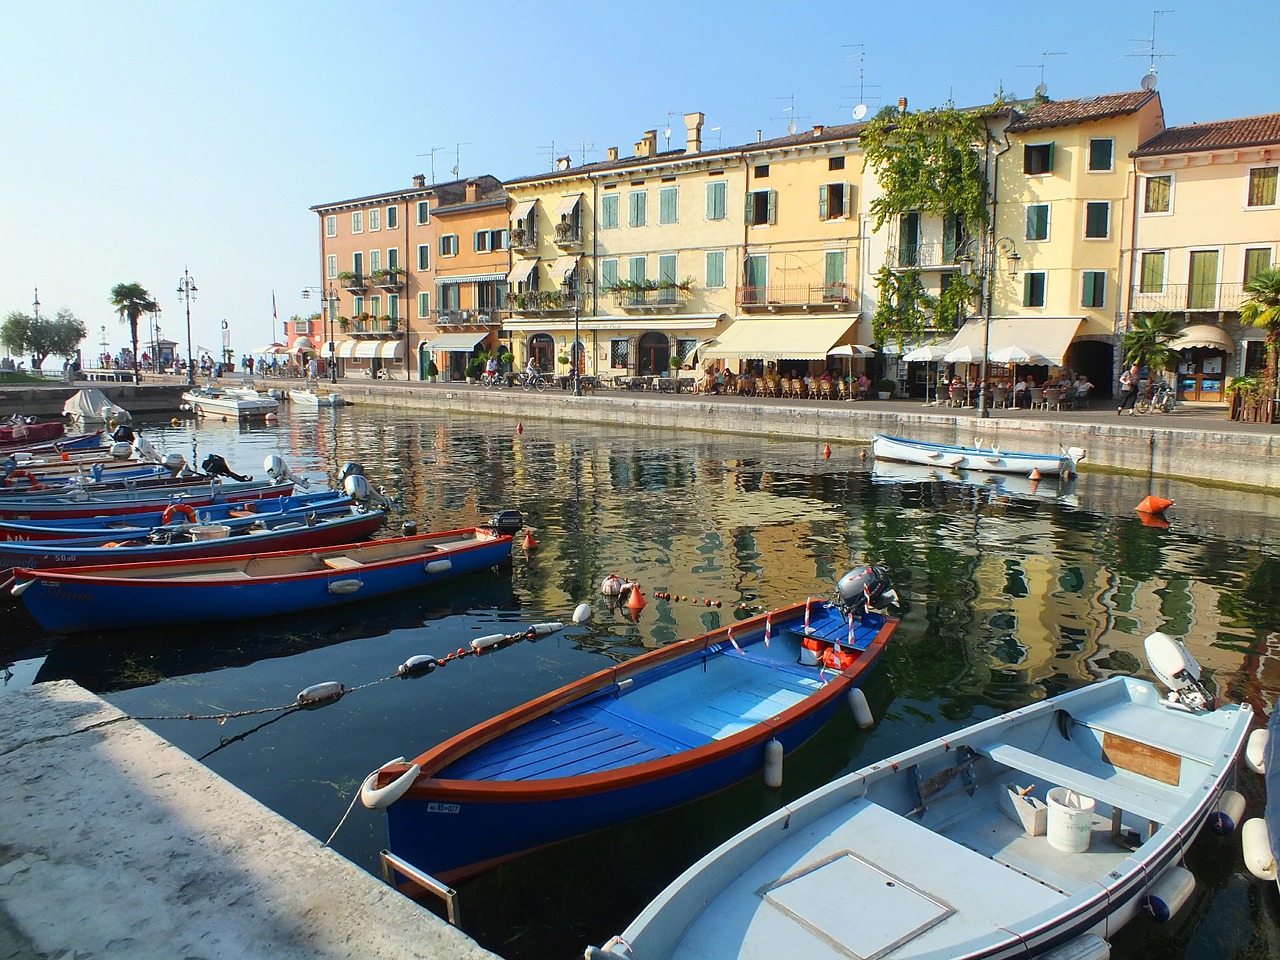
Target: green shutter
1256,260
1049,160
667,268
773,206
1152,273
749,212
848,200
824,203
1203,288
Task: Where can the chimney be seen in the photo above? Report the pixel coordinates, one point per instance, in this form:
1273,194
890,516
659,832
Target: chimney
613,153
817,129
759,135
648,145
902,104
420,181
473,191
693,126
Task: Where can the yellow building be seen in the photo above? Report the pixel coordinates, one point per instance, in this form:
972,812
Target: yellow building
1207,221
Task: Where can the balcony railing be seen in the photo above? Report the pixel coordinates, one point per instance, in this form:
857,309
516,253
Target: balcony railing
462,317
388,280
354,282
376,328
568,236
544,303
835,295
522,238
662,299
922,256
1190,297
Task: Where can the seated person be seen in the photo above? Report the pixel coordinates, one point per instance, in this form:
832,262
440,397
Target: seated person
531,368
864,387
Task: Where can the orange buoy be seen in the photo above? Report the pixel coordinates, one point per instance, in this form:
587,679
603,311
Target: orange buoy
519,428
1154,505
635,600
863,454
66,456
826,452
1035,473
529,542
1153,520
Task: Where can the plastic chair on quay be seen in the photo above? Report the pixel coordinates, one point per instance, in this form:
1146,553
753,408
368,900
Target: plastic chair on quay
843,389
797,388
1000,396
1037,397
1052,398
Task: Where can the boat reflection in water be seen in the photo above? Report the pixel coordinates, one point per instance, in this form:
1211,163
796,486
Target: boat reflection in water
994,485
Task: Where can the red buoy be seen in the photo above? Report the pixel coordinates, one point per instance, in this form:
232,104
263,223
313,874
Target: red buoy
519,428
1035,473
529,542
826,452
1153,520
1154,505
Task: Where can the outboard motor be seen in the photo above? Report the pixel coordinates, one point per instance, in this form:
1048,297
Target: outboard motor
507,521
123,433
146,449
859,590
350,469
279,472
121,450
175,463
215,466
356,486
1178,670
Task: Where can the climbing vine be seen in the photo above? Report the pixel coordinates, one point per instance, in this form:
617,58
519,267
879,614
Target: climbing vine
901,306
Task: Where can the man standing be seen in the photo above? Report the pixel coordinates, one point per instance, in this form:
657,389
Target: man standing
1128,391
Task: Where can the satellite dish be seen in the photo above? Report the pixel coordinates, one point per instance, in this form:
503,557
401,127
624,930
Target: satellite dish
859,111
1148,82
455,171
562,163
1041,89
791,127
667,133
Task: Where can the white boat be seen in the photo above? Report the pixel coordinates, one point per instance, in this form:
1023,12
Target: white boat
1037,833
92,406
989,459
992,485
316,397
213,400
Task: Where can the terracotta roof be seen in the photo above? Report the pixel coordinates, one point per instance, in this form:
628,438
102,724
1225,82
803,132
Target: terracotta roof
1057,113
1217,135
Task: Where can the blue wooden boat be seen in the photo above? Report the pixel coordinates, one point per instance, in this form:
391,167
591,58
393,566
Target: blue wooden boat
663,729
120,596
1037,833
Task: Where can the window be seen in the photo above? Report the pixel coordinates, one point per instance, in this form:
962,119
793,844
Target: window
330,226
762,170
482,241
1101,151
762,207
1262,186
1157,194
1152,278
393,217
357,263
636,208
1097,220
668,204
1093,293
715,269
609,211
375,261
833,201
685,349
393,304
424,211
424,304
375,306
833,276
755,273
357,221
609,274
447,297
393,258
620,354
357,306
1033,284
1256,259
1202,291
835,163
636,268
448,245
667,268
1037,159
1038,221
375,219
331,266
424,256
716,195
499,240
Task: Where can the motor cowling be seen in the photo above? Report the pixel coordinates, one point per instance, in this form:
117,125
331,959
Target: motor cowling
356,487
1178,670
863,588
507,521
123,433
350,469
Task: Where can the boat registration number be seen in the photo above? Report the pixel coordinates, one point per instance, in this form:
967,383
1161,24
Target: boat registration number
443,808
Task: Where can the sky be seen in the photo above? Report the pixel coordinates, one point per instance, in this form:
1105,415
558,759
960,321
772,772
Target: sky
144,138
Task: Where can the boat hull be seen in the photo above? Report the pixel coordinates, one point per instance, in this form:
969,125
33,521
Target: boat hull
954,457
123,503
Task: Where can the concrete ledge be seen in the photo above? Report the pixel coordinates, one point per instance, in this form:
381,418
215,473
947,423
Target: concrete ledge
115,843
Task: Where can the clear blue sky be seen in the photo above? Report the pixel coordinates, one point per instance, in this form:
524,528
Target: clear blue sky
144,136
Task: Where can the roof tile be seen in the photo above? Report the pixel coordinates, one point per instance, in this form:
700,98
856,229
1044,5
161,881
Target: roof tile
1216,135
1057,113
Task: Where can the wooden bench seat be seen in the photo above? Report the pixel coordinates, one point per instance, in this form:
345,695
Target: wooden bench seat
341,563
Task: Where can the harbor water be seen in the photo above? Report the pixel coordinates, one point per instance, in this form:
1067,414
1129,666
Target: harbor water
1011,592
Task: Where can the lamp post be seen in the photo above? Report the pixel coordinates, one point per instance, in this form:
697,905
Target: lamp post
988,251
327,299
575,354
186,293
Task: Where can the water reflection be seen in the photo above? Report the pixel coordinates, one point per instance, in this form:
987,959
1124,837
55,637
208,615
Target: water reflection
1010,595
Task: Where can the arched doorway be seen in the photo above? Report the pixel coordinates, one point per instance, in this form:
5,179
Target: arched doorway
1096,360
578,359
655,354
543,350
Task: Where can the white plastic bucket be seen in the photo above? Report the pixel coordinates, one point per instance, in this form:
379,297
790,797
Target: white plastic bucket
1070,820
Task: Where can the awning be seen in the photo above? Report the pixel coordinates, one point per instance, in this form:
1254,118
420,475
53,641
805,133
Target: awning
455,342
381,349
523,209
347,348
1204,335
791,338
562,267
566,206
271,348
303,344
469,277
854,351
520,272
1048,337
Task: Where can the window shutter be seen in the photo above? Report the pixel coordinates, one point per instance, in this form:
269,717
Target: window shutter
1049,160
773,206
824,201
749,213
848,200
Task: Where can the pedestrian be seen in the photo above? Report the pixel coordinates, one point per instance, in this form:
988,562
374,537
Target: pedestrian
1128,391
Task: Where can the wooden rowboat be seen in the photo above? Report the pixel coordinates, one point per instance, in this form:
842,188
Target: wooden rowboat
991,459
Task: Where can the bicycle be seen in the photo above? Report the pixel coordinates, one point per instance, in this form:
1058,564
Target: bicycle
493,381
533,381
1159,396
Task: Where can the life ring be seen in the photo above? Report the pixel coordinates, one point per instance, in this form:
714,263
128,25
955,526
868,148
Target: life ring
174,509
24,475
379,798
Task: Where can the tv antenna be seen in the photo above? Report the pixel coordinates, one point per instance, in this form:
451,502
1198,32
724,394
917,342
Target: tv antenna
550,153
666,131
717,131
860,108
432,155
583,147
457,158
1041,87
791,110
1149,81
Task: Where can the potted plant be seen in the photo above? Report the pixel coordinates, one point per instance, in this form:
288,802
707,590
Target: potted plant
432,370
393,323
344,324
563,360
474,366
886,388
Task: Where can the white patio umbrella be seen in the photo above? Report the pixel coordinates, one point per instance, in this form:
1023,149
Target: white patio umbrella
929,353
852,351
1015,354
963,355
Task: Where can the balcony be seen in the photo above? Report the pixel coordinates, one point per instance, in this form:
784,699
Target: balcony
471,316
371,328
523,240
932,255
544,303
1190,298
772,299
392,280
660,299
568,236
352,282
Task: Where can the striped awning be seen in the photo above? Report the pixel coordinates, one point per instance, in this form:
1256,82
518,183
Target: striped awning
1204,335
520,272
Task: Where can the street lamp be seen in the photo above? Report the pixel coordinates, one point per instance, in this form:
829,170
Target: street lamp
328,299
187,292
582,285
990,249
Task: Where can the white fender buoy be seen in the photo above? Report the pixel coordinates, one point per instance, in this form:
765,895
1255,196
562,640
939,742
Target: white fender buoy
345,586
1255,751
773,764
583,613
416,666
543,629
1168,894
484,643
319,694
1226,813
1255,842
439,566
20,588
378,798
861,709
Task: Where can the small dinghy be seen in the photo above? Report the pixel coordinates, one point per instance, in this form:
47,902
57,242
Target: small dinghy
951,456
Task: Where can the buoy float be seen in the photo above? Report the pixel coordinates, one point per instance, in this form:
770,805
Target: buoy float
1255,841
611,585
773,764
66,456
519,428
529,542
439,566
1154,505
1255,751
416,667
341,587
1226,813
484,643
861,709
1168,894
173,509
174,421
635,600
377,798
582,613
409,528
1035,474
270,418
826,452
318,694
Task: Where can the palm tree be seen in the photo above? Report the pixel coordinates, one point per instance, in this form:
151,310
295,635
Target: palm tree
1262,309
131,301
1147,340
